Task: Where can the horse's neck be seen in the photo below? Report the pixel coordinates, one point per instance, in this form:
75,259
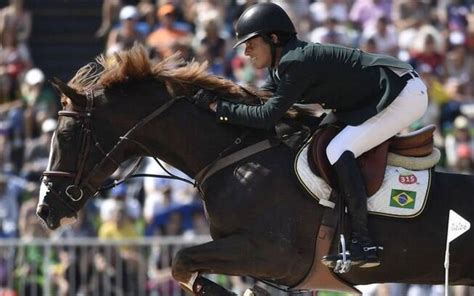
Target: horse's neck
191,139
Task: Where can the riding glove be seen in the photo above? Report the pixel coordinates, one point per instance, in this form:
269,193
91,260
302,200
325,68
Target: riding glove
203,98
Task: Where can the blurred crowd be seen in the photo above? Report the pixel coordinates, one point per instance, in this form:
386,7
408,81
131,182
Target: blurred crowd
436,37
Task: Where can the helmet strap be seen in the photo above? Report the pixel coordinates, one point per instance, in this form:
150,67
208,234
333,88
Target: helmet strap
273,46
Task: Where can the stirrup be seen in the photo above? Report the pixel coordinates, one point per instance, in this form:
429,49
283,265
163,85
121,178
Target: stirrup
340,263
368,260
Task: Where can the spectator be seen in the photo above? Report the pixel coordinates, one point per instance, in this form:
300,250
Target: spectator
40,102
451,109
427,48
298,12
167,35
460,146
13,61
120,227
29,224
185,49
457,12
9,196
37,151
108,277
146,10
203,11
369,45
384,37
160,194
365,13
119,198
321,10
411,14
437,95
212,47
331,32
15,20
126,35
110,13
459,64
16,140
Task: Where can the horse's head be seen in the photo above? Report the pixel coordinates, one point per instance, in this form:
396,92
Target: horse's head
73,174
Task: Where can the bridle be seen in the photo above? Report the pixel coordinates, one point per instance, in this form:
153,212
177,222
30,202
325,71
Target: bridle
76,191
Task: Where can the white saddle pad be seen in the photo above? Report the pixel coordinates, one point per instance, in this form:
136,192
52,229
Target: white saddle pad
403,192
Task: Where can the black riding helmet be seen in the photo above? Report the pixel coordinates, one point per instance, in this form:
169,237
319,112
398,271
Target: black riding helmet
264,19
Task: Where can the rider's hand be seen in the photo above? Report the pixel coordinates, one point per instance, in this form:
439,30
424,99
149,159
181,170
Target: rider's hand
204,98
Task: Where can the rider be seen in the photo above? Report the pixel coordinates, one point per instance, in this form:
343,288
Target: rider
375,96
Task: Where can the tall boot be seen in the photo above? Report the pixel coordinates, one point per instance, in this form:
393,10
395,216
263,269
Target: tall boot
363,251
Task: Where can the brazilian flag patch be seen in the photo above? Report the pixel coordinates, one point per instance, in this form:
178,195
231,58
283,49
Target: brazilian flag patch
404,199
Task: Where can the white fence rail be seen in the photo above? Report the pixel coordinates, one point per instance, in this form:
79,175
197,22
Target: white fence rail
89,266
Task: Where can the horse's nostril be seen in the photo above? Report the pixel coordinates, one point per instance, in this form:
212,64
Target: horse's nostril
43,211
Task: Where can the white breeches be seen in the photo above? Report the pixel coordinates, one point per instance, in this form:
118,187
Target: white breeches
409,106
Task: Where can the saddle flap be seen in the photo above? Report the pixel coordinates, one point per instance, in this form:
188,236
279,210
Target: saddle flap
372,163
317,153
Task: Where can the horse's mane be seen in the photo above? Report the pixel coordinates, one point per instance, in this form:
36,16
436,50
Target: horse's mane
135,65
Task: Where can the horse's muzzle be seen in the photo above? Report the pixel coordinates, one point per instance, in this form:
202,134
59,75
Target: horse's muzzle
51,220
43,212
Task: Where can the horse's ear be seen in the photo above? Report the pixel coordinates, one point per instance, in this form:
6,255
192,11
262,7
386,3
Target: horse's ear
61,87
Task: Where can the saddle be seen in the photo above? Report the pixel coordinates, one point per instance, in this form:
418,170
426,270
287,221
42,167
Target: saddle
373,162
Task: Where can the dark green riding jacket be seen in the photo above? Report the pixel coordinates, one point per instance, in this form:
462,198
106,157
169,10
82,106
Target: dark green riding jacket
354,84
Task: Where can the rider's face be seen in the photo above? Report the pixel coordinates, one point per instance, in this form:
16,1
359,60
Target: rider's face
259,52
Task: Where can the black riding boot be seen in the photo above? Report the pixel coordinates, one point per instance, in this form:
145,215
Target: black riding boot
363,251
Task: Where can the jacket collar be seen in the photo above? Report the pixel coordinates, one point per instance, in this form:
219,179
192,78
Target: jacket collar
289,46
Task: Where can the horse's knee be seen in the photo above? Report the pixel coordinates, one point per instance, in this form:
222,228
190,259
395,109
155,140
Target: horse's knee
180,268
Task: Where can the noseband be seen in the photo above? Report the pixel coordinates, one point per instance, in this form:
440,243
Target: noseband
76,191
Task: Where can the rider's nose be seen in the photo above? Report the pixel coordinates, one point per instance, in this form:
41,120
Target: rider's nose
43,211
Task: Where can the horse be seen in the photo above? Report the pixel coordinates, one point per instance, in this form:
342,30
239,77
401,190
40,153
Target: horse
262,223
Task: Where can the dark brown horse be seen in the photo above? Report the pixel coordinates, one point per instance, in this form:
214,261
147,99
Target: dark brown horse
262,223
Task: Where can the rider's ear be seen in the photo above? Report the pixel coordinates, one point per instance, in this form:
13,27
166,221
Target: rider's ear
274,38
61,87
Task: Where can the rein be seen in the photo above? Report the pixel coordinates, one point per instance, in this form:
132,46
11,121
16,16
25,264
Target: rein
75,192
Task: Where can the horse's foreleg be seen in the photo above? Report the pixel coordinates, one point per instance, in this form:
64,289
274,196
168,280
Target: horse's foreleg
234,255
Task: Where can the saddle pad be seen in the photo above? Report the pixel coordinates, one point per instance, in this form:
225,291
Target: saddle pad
403,192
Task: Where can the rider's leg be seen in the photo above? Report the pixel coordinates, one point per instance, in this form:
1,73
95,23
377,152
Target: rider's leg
353,141
362,249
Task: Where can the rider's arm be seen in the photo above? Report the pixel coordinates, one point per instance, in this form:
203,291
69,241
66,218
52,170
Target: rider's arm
288,90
